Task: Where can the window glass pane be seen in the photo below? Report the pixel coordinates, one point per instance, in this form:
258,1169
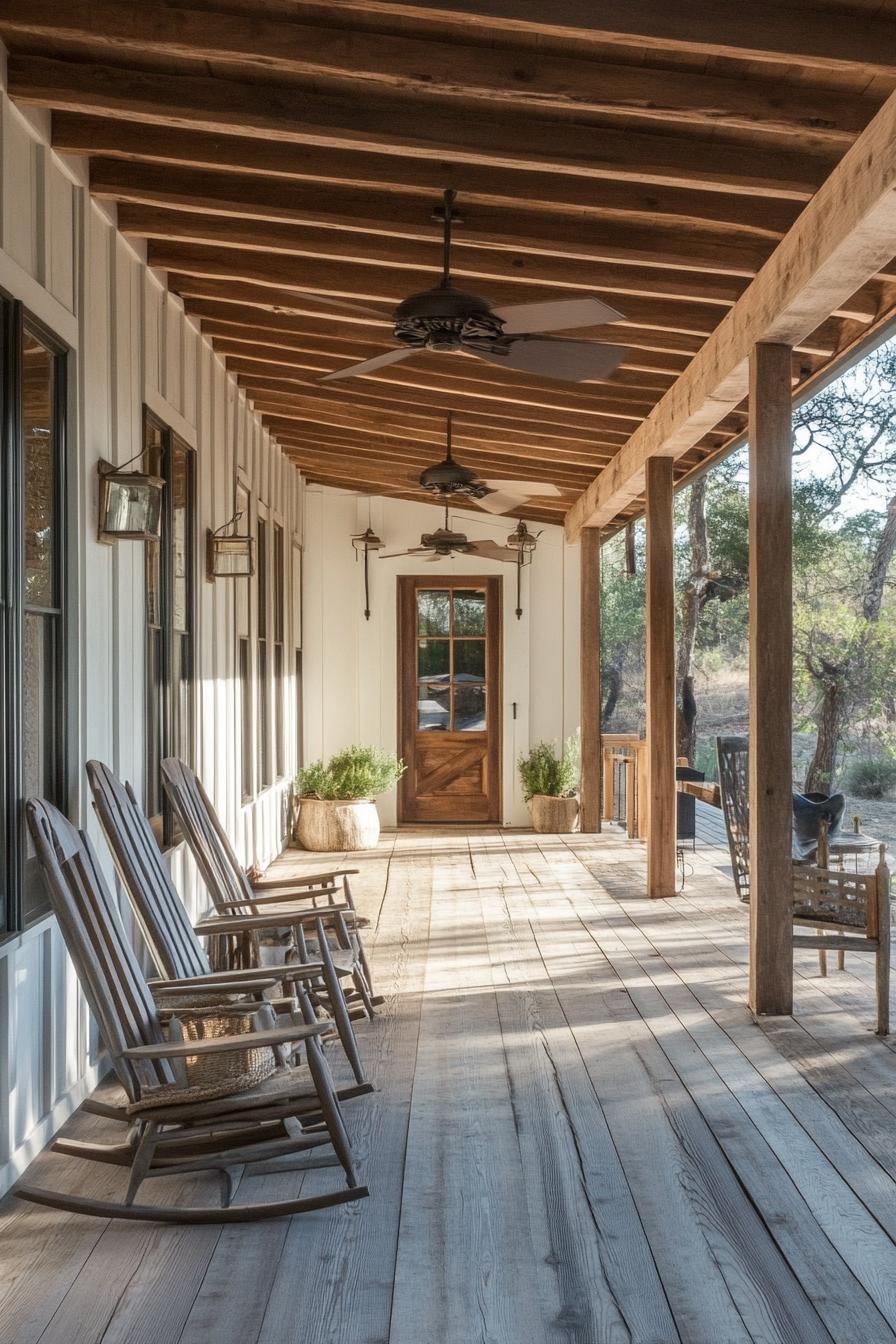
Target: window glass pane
469,660
279,584
469,709
432,612
42,733
262,577
469,612
433,658
433,706
179,473
153,563
153,721
38,474
245,664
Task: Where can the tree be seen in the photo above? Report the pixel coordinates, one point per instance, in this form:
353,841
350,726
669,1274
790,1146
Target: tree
622,629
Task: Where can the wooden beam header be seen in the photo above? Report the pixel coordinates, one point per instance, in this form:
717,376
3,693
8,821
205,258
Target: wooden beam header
846,234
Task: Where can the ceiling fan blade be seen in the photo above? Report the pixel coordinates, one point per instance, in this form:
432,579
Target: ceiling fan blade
500,501
573,361
521,319
490,550
530,488
368,365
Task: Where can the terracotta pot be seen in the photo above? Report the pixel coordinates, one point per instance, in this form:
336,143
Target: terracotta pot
554,816
329,826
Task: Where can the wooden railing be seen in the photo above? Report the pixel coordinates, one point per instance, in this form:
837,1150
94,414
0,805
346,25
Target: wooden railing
625,782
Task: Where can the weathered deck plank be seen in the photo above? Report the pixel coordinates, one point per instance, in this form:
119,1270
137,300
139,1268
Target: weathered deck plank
580,1136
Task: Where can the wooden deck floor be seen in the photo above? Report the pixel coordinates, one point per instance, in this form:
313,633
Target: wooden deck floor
579,1135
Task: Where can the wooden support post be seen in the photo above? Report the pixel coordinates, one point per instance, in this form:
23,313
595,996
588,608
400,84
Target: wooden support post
661,810
771,680
590,681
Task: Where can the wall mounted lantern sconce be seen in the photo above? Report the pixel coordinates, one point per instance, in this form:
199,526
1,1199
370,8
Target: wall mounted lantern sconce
229,555
364,543
523,542
130,504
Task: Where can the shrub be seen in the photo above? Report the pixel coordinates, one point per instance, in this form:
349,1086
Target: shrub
545,770
871,776
351,775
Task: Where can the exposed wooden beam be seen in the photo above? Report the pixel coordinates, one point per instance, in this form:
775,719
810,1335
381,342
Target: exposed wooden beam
351,212
842,237
531,77
660,680
771,681
373,285
393,175
416,129
590,692
765,30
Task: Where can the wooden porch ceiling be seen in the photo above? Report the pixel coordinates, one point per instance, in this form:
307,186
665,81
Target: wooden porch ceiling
653,158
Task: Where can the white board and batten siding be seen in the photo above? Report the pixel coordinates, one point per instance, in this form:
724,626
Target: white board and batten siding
350,665
131,344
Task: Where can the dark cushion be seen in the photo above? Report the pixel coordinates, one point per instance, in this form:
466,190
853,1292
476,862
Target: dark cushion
809,811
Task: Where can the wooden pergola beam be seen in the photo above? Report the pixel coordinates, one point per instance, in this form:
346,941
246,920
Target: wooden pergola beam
843,237
425,131
764,30
463,67
396,176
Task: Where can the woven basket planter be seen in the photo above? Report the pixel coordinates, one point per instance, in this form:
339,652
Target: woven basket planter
554,816
330,826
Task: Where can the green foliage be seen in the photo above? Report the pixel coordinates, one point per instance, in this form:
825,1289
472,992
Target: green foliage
351,775
544,770
871,776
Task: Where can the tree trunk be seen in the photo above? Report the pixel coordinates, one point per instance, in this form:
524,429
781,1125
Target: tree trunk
692,603
820,775
880,566
613,683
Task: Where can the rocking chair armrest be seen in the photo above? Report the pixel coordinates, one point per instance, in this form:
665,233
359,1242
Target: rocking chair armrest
247,977
212,1045
279,898
309,880
239,923
190,988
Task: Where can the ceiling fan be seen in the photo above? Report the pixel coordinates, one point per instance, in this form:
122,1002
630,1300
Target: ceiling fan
445,319
449,479
442,543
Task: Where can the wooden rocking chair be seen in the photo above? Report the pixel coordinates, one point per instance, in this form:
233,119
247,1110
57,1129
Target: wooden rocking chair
241,908
849,912
214,1095
173,944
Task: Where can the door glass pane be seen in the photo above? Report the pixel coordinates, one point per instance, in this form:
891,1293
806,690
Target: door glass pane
433,706
433,658
469,709
469,660
469,612
41,738
180,503
39,494
432,612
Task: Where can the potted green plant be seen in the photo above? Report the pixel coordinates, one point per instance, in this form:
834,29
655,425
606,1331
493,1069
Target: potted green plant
337,810
550,779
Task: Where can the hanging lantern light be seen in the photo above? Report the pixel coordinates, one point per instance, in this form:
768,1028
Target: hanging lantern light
523,542
364,543
229,555
130,505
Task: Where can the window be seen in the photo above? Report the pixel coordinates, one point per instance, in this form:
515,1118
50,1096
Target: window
264,745
297,636
33,719
244,665
279,587
451,660
170,566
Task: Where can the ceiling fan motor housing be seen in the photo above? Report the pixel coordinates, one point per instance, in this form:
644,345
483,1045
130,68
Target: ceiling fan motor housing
444,317
450,478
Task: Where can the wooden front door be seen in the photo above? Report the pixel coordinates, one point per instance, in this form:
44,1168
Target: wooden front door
449,659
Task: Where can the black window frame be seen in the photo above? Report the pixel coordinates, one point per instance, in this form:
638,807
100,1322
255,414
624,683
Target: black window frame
172,740
26,901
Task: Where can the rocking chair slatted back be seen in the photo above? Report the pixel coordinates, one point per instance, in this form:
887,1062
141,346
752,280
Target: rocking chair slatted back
106,965
221,870
166,926
829,898
733,760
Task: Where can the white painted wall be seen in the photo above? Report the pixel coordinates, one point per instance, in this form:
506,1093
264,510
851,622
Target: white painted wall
61,255
350,665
